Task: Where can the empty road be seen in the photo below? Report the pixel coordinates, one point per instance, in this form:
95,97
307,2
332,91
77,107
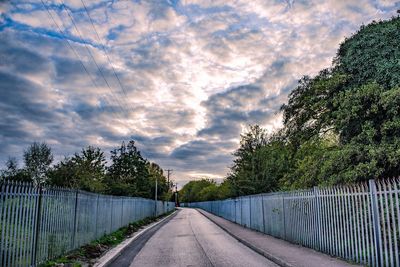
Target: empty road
189,239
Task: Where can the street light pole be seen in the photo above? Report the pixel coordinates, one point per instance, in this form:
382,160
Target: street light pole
168,173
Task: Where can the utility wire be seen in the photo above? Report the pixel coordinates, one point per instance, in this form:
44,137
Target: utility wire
105,51
74,52
92,57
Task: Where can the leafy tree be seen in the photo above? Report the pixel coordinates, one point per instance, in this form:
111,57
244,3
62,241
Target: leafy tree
64,174
209,193
85,171
128,173
310,108
244,170
12,172
225,190
191,191
260,163
11,168
355,103
91,169
372,55
38,158
306,165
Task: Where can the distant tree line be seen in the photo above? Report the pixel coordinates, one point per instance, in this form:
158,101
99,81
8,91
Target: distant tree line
127,174
341,126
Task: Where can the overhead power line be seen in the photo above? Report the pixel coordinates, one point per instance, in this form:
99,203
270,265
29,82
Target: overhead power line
92,57
74,51
103,46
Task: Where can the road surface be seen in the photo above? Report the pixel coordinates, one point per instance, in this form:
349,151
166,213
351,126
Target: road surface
189,239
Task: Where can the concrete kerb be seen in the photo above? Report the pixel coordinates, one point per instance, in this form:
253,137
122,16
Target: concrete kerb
269,256
112,254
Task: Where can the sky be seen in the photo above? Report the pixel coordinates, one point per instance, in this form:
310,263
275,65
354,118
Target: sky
182,78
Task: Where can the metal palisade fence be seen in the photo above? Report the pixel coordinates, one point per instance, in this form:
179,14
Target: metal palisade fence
38,224
360,222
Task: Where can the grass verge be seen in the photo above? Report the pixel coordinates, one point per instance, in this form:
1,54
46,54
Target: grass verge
87,254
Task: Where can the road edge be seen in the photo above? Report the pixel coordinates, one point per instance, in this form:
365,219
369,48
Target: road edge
115,252
267,255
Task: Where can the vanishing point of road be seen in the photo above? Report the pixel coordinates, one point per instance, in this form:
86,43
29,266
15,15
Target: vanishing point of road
189,239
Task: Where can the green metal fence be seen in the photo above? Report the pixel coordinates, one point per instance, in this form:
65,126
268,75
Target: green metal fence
38,224
358,222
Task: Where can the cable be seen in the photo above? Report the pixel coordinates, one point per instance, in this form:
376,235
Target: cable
105,51
74,51
91,55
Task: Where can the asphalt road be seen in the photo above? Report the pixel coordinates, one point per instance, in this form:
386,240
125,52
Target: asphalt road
189,239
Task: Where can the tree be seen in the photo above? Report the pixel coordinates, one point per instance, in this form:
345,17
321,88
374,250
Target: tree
85,171
38,158
91,169
64,174
225,190
243,175
128,173
191,191
344,124
310,108
11,168
209,193
12,172
371,55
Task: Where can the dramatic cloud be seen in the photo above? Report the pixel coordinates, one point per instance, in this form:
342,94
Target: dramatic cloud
182,78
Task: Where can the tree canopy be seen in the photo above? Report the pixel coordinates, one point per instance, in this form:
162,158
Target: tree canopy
127,174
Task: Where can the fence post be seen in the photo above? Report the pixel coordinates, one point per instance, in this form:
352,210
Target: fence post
75,219
111,213
234,202
95,216
37,227
122,212
262,206
283,217
318,214
249,226
376,221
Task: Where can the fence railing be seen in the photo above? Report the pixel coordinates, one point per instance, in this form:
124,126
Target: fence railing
38,224
358,222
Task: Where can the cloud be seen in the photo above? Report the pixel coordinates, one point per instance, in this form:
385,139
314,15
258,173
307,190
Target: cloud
182,78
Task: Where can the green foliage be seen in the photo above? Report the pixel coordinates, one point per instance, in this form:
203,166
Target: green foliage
205,190
209,193
61,261
246,165
38,158
128,173
344,123
372,55
260,163
225,190
311,106
12,172
306,165
191,191
85,171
